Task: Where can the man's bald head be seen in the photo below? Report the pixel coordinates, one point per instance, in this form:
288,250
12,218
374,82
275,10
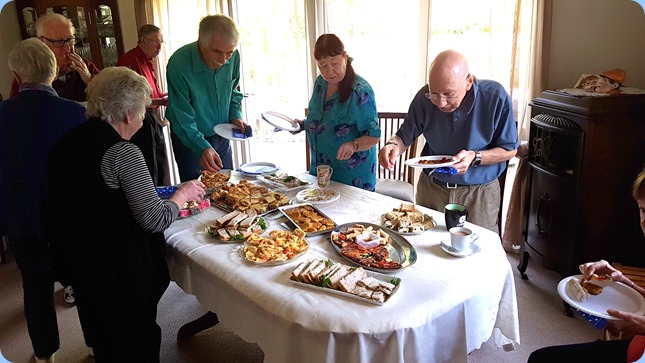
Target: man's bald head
449,80
449,65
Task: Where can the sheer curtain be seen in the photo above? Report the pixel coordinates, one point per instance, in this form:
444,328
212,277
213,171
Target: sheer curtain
528,74
530,44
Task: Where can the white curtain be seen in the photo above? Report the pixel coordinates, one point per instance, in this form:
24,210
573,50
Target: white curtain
528,74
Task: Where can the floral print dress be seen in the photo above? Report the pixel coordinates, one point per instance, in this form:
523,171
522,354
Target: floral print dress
330,123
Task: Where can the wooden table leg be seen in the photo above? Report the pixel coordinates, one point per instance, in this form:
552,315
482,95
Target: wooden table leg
202,323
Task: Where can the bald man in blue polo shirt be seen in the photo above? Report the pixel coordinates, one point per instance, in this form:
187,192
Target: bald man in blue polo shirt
469,118
203,79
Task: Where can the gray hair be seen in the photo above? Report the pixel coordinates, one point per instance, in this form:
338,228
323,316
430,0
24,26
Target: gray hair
147,29
117,92
48,18
218,24
33,62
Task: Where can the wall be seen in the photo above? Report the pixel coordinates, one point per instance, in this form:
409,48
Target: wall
128,24
591,36
10,35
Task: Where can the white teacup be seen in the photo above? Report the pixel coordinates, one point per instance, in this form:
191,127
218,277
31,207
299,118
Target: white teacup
461,238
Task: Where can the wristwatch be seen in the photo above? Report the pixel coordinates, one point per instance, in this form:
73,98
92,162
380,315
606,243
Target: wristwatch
477,160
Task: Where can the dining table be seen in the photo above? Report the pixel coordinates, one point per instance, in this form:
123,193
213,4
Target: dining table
444,308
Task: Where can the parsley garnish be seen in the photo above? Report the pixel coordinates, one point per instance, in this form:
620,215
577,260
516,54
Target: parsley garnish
238,237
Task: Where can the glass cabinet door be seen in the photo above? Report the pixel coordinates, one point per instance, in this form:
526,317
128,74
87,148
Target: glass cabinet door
107,39
29,16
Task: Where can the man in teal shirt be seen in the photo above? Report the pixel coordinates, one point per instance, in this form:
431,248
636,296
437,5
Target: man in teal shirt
203,79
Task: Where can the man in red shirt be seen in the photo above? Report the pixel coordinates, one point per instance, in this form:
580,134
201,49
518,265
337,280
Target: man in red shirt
74,72
149,138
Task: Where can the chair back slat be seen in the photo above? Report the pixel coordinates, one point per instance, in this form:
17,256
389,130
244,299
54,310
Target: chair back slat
390,122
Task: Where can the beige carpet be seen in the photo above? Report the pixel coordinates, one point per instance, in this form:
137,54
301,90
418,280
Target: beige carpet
542,323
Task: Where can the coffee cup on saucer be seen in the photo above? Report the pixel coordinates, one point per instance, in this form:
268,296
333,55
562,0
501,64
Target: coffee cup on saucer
461,238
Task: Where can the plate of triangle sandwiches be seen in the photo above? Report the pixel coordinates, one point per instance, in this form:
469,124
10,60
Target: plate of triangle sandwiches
344,280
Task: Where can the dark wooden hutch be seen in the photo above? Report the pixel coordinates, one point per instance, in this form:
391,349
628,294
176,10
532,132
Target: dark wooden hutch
97,23
584,154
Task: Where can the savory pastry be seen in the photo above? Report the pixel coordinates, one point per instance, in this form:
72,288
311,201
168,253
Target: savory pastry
579,292
592,288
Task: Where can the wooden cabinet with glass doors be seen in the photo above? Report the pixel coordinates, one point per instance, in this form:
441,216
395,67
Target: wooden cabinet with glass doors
98,29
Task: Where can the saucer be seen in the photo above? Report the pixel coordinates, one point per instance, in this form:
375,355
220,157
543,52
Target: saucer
474,248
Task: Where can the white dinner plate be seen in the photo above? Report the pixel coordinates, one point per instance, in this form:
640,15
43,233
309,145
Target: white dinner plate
226,131
280,121
317,195
614,295
258,168
416,162
474,248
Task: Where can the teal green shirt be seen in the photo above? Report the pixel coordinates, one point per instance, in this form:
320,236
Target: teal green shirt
330,123
199,97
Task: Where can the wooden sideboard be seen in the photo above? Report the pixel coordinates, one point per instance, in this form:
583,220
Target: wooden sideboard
584,154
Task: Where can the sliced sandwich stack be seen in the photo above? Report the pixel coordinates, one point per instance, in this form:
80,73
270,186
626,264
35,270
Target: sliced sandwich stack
235,225
407,219
344,278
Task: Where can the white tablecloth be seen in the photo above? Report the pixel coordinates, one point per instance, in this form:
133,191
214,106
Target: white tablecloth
445,307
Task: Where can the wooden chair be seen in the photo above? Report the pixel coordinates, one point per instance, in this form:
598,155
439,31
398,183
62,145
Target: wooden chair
397,183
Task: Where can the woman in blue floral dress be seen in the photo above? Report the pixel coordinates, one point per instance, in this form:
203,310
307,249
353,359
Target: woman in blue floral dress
342,122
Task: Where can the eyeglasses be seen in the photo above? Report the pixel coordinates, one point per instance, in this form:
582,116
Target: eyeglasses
157,42
61,42
436,97
446,97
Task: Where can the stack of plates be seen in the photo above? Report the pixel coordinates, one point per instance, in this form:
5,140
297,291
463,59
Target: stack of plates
258,168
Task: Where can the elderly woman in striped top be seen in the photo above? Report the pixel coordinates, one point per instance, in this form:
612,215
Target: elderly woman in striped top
104,241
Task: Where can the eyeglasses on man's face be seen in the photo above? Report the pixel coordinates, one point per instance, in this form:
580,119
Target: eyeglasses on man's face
156,41
446,97
61,42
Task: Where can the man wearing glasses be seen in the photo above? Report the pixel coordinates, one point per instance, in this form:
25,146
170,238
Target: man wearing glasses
468,118
149,138
74,72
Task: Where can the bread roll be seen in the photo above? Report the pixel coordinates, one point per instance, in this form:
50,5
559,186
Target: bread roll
579,292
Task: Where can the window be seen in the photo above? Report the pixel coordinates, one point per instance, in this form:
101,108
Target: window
274,76
391,42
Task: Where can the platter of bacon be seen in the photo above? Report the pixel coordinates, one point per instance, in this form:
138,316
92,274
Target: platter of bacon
372,247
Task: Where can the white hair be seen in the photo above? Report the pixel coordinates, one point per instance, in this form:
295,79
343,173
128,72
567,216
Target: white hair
33,62
117,92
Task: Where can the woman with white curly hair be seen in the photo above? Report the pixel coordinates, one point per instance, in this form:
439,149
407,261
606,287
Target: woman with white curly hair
104,236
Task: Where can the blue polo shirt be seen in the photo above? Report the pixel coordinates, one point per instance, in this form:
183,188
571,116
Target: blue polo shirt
484,120
199,97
